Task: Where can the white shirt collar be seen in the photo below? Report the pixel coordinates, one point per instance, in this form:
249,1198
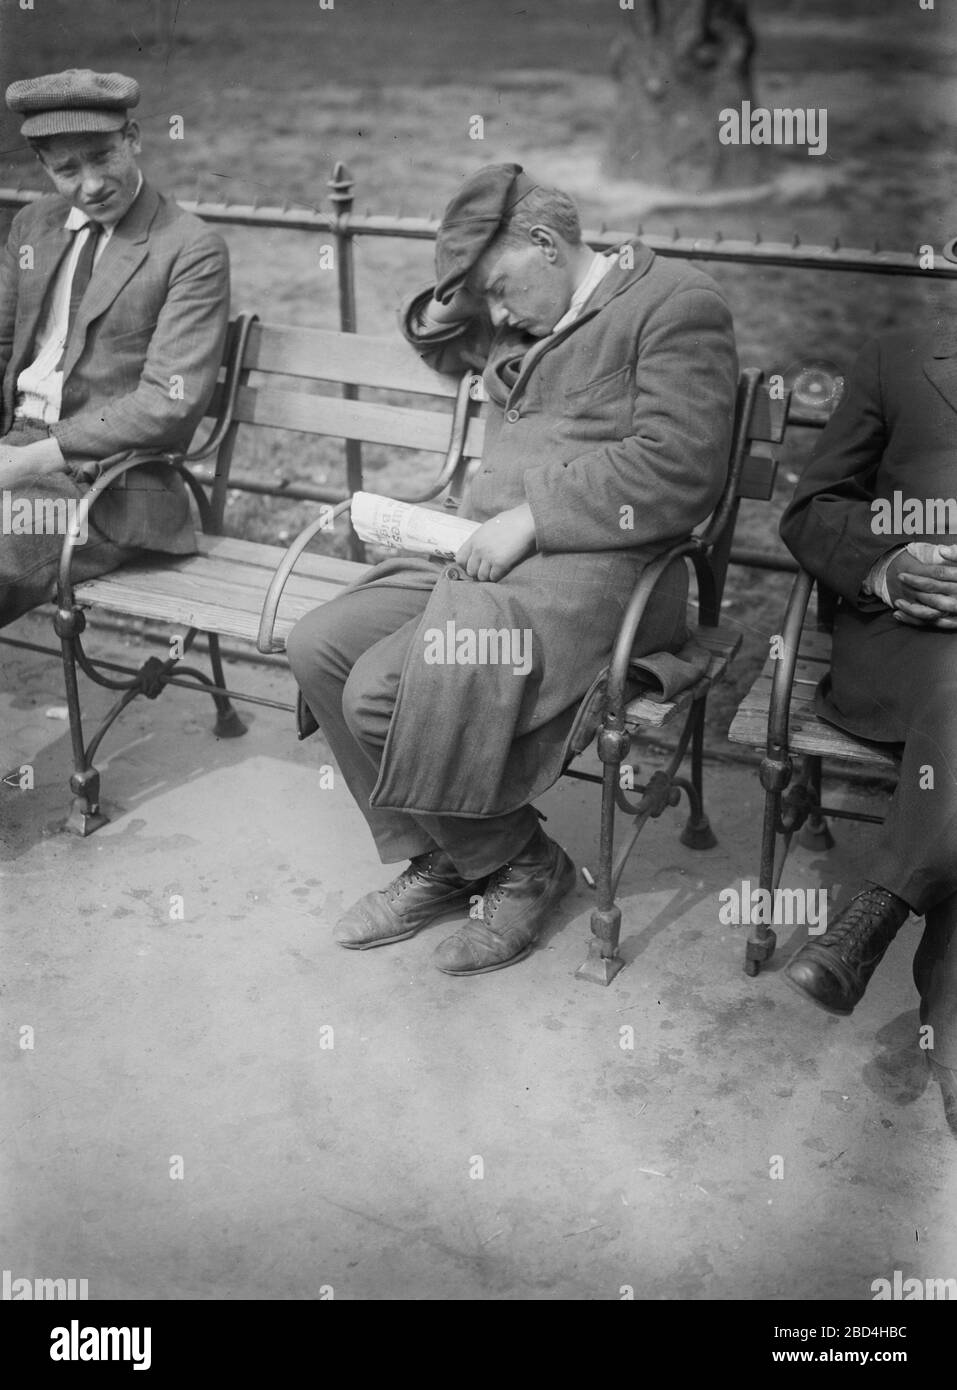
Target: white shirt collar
77,218
596,272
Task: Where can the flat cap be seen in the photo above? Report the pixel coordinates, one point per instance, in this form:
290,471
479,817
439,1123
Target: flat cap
73,102
472,219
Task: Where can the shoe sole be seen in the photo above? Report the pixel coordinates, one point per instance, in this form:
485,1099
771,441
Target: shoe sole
805,994
563,886
451,905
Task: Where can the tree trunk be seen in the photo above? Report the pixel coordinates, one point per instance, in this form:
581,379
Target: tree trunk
679,63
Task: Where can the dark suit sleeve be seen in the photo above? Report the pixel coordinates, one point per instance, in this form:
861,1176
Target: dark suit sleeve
672,465
9,279
182,363
828,523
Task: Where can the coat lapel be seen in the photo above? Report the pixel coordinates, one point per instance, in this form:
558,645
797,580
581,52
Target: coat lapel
52,243
615,282
123,254
941,368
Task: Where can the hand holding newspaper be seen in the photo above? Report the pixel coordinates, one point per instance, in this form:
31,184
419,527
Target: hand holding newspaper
383,521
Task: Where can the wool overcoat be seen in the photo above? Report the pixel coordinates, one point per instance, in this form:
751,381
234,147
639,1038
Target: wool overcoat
616,432
143,355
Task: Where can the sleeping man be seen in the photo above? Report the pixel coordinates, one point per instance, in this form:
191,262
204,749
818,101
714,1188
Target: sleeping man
611,381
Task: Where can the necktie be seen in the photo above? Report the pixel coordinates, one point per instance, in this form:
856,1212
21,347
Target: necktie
81,278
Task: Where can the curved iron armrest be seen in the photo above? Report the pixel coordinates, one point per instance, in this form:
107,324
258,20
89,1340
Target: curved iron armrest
637,604
453,455
783,680
265,640
86,504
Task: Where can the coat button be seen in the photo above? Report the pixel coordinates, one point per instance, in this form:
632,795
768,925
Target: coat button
453,573
513,415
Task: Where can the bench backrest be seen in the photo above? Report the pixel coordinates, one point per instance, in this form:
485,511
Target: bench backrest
309,380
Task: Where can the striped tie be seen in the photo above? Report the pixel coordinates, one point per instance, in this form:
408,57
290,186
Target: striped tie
81,278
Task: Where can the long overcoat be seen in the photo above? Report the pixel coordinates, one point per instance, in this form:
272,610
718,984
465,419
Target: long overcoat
616,432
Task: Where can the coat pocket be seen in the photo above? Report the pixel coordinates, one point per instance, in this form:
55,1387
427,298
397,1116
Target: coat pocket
607,387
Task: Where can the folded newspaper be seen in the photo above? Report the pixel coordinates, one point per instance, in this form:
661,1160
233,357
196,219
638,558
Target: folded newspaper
383,521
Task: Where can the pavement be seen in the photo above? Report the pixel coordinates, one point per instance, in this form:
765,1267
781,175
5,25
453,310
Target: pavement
203,1097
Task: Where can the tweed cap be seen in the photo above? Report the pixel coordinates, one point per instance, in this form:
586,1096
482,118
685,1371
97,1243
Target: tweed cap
472,219
73,102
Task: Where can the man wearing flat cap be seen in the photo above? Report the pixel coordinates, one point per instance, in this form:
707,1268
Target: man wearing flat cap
113,312
611,381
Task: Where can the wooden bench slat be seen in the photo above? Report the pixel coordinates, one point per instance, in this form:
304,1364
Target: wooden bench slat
371,422
269,556
723,644
204,614
357,359
219,575
770,417
184,593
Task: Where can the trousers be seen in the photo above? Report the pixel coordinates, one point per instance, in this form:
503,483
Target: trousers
898,684
29,561
347,658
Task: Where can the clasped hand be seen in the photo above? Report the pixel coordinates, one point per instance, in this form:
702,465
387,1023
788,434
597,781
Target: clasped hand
924,595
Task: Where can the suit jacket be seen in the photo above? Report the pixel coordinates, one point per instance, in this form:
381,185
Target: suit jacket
895,431
630,406
142,359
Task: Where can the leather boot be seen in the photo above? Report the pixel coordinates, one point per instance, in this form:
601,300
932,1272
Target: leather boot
420,894
517,901
947,1080
833,970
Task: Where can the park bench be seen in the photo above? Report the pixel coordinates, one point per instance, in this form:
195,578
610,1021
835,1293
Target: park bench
309,380
777,716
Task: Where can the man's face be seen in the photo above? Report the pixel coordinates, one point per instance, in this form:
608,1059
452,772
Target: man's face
96,171
525,287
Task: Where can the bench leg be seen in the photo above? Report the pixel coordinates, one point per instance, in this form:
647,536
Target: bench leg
85,815
815,833
697,833
228,723
603,962
761,937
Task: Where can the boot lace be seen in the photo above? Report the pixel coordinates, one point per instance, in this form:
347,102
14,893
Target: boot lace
495,890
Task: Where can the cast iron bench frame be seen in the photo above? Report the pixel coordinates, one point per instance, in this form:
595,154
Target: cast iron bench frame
269,590
778,715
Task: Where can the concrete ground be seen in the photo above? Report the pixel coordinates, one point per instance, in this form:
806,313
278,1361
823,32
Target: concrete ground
216,1101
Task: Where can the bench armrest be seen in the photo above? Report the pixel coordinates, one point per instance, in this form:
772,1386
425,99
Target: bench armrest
783,679
89,500
614,716
265,640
